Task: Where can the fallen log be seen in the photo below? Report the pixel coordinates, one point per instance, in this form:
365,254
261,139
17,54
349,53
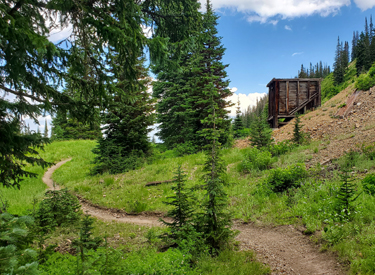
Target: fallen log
158,182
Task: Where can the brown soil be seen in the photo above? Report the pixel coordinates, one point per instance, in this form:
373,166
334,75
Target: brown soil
285,249
339,130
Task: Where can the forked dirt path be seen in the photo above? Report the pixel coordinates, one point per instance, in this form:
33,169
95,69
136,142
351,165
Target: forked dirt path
285,249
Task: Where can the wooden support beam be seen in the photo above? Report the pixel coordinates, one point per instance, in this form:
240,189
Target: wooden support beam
297,93
308,90
276,116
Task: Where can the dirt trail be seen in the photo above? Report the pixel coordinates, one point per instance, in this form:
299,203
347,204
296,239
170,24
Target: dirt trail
284,248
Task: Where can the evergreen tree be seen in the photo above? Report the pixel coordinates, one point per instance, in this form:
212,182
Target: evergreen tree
183,93
215,221
298,136
354,46
254,111
175,116
363,54
182,204
302,72
260,131
346,196
33,68
125,142
339,69
238,125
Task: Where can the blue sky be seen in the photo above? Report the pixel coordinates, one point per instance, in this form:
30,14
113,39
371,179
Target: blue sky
272,38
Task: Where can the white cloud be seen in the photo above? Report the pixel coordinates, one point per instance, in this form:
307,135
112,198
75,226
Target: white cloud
147,31
365,4
60,34
288,28
245,101
270,11
299,53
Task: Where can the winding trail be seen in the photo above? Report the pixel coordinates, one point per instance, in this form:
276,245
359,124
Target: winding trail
285,249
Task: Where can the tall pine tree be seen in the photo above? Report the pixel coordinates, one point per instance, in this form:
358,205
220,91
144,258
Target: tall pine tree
182,93
238,124
125,143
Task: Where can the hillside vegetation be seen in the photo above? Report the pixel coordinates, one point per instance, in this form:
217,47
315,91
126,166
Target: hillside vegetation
265,188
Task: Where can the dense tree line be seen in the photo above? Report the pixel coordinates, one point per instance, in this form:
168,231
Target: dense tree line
363,47
252,112
315,71
342,58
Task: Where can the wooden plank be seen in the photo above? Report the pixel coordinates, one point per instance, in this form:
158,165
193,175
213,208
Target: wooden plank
308,90
292,100
319,94
282,97
297,93
276,118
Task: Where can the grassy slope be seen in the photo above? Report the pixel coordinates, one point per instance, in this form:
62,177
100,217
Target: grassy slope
33,188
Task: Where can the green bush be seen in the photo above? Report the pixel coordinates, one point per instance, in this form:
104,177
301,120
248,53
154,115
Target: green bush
369,184
186,148
281,148
257,160
349,160
16,257
369,151
281,180
365,82
59,208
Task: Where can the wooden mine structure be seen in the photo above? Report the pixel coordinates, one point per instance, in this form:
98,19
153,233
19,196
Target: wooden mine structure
287,97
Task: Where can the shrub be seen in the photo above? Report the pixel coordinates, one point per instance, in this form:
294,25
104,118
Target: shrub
15,255
59,208
281,180
369,184
349,159
369,151
186,148
365,82
257,160
298,136
281,148
346,195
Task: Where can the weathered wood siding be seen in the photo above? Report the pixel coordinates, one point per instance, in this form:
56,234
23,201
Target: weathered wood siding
287,96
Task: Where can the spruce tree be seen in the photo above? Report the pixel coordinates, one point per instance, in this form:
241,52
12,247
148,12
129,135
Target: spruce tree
260,131
298,136
346,196
238,124
177,124
363,54
209,80
214,221
125,143
182,97
339,67
182,203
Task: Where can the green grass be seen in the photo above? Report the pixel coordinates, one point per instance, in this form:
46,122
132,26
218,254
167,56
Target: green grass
20,201
311,206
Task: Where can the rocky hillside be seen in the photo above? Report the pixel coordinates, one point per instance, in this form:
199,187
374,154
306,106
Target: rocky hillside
343,123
